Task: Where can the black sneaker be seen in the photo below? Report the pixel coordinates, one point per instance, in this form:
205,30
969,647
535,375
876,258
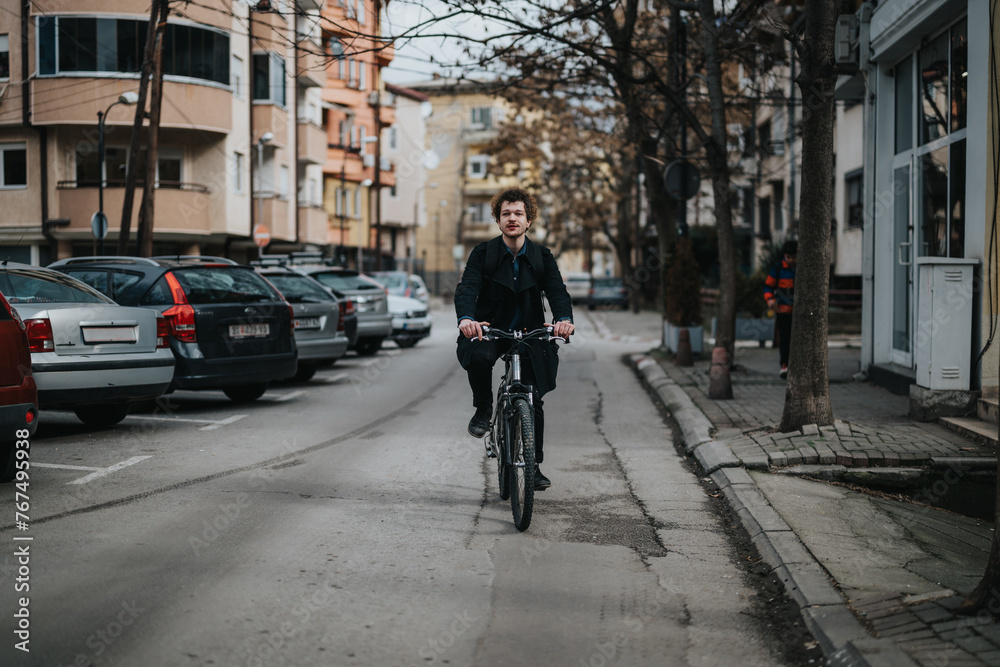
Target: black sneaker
541,481
480,422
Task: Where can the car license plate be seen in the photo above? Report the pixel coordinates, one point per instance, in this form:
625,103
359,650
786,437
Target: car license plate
307,323
249,330
93,335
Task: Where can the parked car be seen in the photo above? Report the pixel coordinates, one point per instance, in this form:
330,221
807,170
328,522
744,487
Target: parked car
402,283
607,292
319,330
88,354
18,393
410,321
370,302
229,328
578,286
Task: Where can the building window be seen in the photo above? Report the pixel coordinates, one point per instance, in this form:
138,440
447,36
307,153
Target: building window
84,45
269,78
237,77
357,203
283,182
478,165
764,138
361,12
482,118
479,213
13,166
238,169
362,69
854,183
930,107
393,138
4,56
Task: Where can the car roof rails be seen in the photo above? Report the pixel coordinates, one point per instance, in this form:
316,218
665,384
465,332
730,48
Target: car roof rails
204,259
310,257
108,259
270,260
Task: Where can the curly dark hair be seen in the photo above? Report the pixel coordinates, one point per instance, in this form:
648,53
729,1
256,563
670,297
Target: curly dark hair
514,195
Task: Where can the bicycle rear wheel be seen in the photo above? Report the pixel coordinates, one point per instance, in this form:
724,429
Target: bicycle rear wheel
522,473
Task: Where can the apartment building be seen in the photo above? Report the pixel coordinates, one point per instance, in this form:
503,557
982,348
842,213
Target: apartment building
245,132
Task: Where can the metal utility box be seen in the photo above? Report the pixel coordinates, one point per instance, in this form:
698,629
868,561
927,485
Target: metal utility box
942,342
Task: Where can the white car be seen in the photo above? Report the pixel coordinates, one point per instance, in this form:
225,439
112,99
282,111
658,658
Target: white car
410,320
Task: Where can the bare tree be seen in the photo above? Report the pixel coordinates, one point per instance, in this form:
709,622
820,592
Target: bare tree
807,398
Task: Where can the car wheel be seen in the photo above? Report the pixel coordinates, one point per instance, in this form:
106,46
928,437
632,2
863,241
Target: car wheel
366,347
406,342
304,373
245,393
102,415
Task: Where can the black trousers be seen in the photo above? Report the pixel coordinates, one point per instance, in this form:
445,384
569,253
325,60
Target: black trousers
484,357
783,321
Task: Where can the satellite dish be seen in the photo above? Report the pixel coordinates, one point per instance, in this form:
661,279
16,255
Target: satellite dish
431,159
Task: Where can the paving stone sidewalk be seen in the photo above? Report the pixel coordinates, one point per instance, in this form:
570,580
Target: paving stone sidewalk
872,433
872,428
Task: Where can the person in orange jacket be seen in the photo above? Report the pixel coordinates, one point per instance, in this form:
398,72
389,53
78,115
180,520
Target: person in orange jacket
779,293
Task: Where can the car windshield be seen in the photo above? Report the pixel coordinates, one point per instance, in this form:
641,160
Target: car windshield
298,289
395,282
345,281
223,285
33,286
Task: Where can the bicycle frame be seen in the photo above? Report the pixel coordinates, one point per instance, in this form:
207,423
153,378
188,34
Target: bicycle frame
511,387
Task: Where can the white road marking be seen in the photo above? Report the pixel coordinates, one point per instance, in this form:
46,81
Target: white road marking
63,466
101,472
288,397
213,423
224,422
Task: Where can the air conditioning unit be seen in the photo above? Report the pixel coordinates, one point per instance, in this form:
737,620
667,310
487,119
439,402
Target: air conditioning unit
373,98
845,40
777,148
368,160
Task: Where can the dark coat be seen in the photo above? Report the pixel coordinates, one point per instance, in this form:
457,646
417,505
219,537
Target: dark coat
493,299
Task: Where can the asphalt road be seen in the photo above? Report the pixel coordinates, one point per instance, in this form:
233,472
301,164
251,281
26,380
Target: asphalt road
351,520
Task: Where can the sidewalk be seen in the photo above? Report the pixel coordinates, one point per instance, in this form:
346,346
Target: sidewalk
877,577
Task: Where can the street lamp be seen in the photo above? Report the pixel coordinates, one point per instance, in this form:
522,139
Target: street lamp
100,222
265,138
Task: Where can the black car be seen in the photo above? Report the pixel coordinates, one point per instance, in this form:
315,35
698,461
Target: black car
230,329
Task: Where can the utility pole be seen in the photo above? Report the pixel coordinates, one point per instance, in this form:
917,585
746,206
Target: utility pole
140,115
342,205
378,177
146,212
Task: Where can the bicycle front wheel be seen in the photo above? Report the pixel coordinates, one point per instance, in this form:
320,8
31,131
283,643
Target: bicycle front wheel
522,472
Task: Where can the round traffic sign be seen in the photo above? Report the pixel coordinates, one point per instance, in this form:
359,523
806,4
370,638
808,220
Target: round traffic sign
99,225
261,235
681,179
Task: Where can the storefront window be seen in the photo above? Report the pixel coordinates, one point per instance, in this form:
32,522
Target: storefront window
933,82
959,74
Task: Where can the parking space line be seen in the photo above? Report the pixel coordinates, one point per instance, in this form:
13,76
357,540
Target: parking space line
288,397
216,424
63,466
101,472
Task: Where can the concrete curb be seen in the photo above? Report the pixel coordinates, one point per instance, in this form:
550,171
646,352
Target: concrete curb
844,639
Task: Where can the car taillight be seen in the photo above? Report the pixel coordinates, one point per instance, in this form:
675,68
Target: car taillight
29,416
182,324
40,337
162,332
342,305
350,308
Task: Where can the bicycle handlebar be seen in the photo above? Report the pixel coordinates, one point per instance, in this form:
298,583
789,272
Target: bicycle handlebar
543,333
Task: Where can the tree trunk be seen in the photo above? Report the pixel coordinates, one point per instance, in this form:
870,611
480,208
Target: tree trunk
987,594
718,163
140,115
807,397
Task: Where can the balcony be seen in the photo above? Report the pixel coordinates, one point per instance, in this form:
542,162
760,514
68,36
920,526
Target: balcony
311,143
268,26
276,215
384,53
191,105
314,226
312,63
274,119
182,208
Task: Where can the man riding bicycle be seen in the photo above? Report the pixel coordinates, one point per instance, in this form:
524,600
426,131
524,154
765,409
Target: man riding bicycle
502,287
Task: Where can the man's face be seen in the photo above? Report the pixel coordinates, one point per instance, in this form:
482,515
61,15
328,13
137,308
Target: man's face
790,259
513,219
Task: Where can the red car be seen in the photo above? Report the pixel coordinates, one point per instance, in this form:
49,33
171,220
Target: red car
18,394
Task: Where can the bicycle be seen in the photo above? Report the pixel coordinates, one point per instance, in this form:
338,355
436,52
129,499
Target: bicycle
511,438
